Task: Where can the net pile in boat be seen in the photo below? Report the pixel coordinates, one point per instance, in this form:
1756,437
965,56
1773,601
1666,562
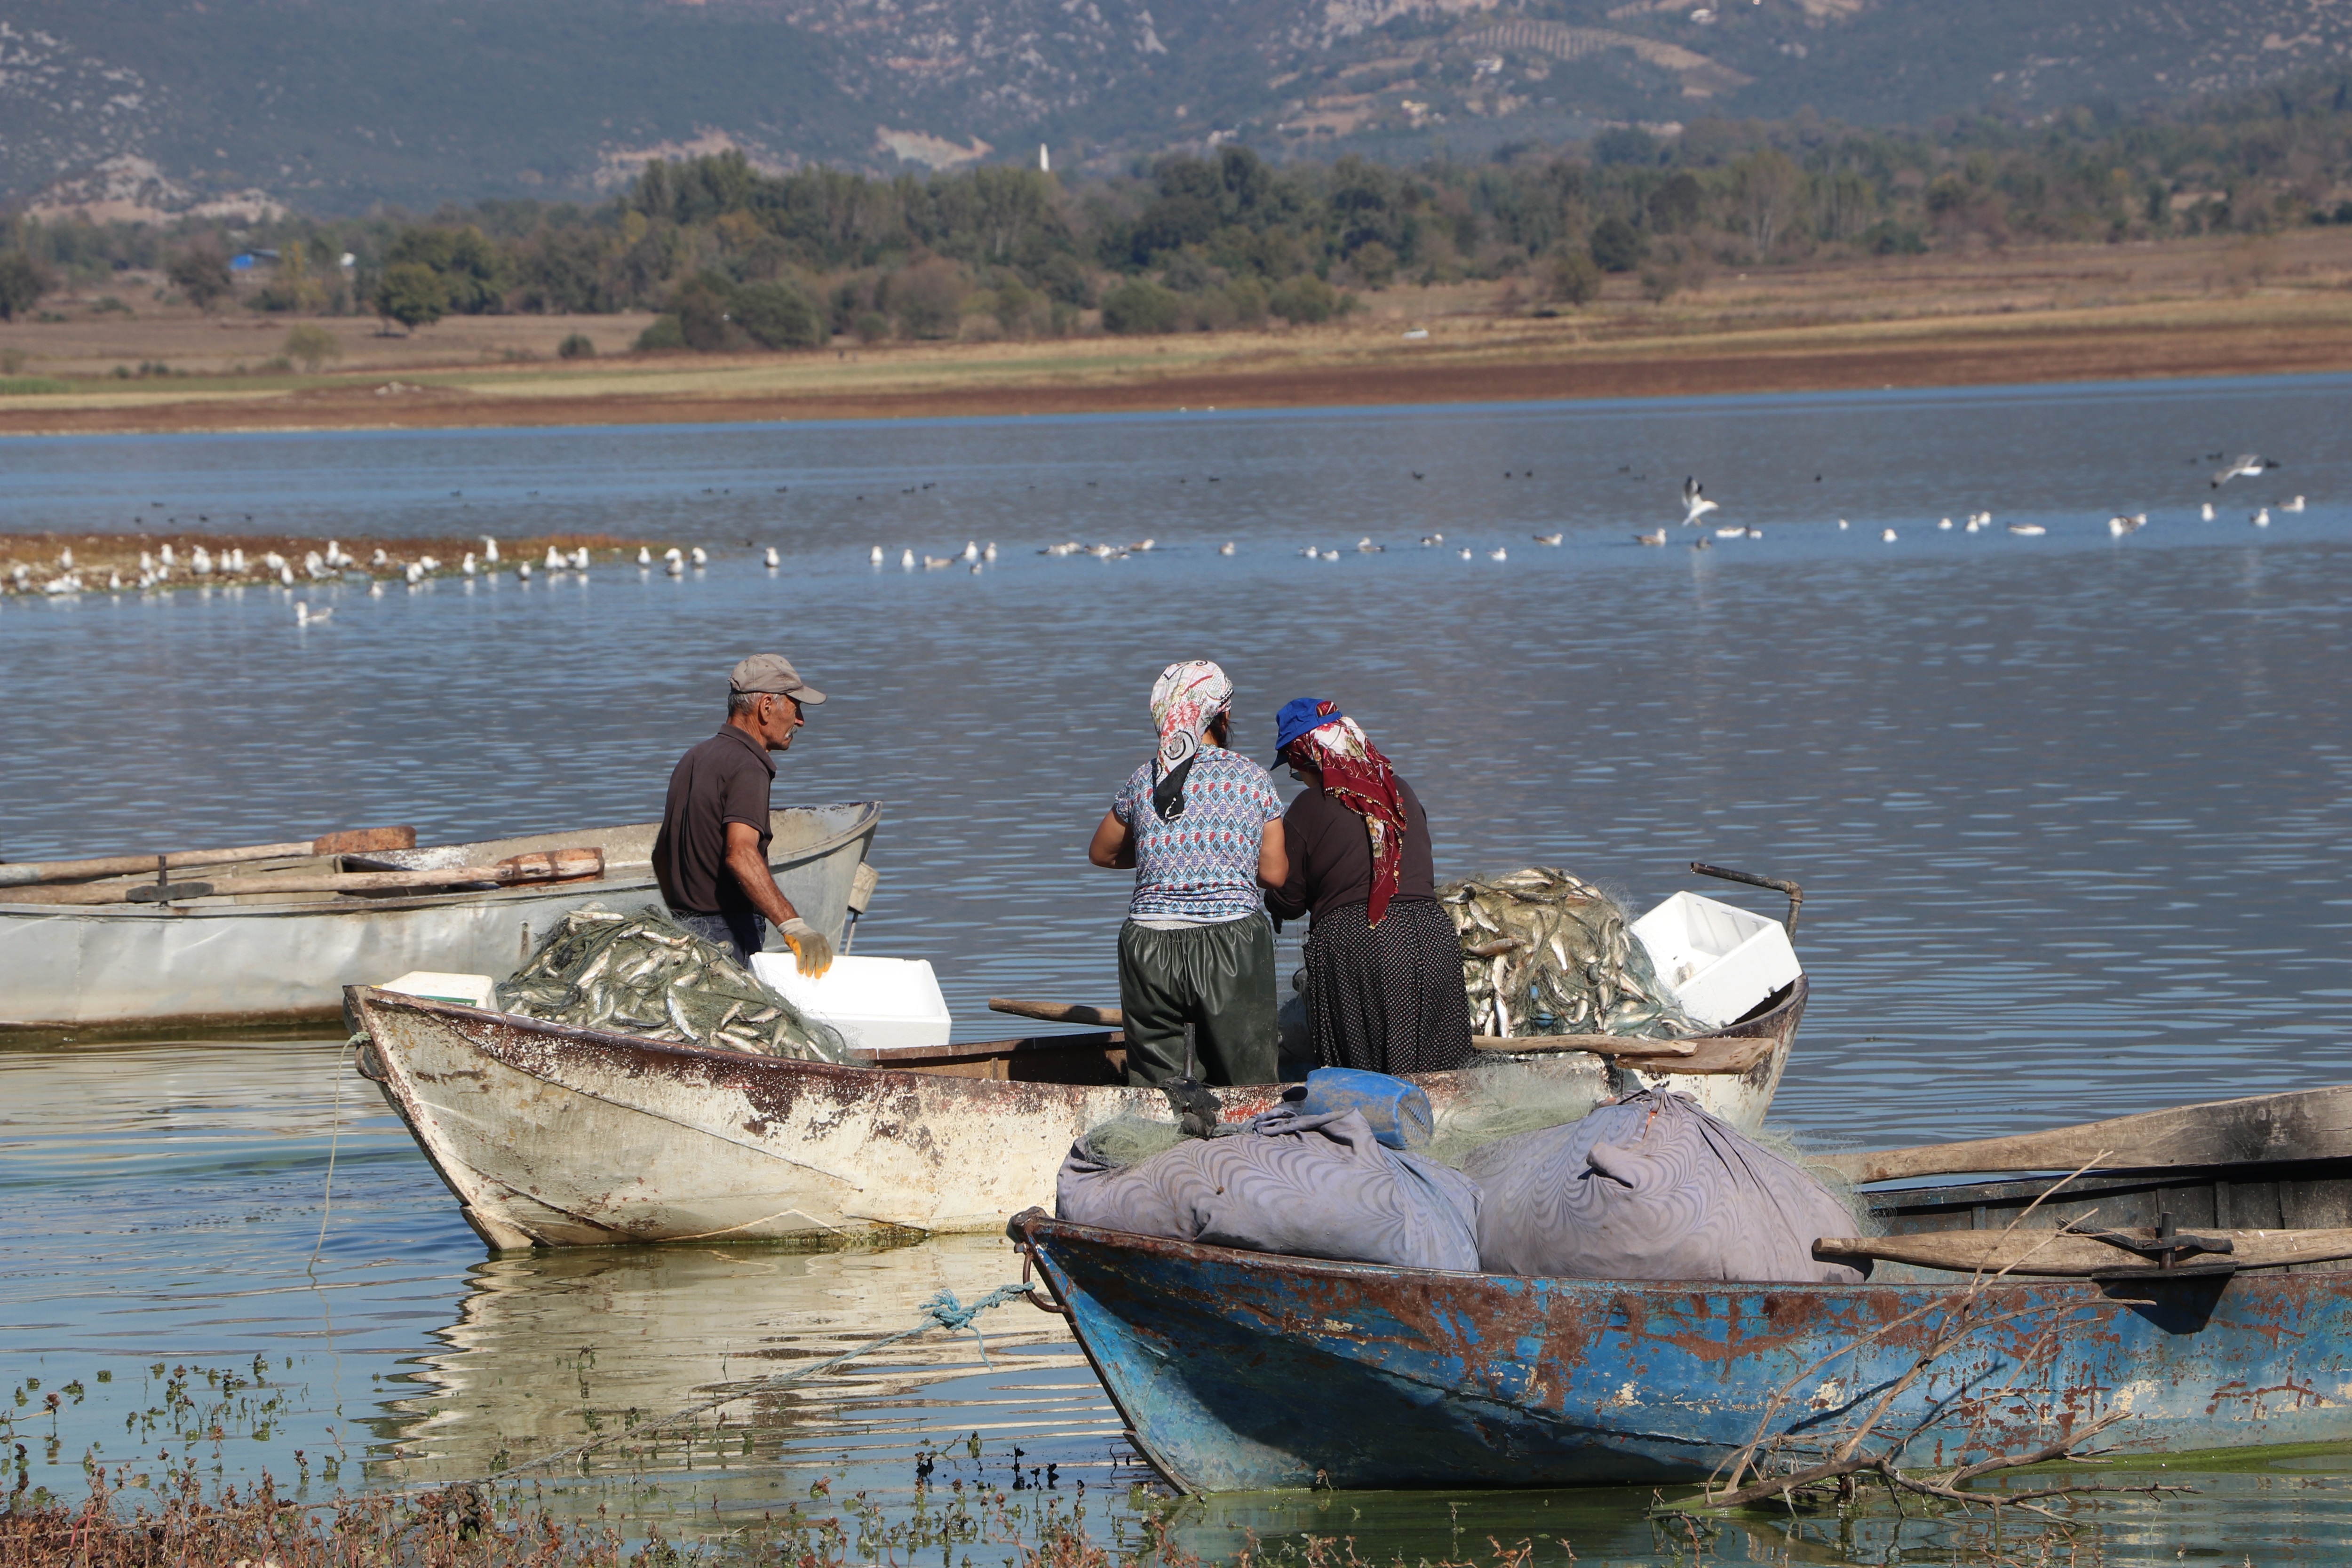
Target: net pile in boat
1544,953
644,975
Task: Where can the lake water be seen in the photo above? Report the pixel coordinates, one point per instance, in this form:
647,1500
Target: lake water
2071,813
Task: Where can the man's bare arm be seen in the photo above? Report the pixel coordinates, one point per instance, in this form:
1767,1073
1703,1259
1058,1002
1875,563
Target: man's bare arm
750,869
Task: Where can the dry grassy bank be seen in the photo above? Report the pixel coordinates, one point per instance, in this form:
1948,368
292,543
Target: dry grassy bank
2201,307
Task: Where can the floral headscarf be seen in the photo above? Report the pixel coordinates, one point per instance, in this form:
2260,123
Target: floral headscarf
1358,777
1184,698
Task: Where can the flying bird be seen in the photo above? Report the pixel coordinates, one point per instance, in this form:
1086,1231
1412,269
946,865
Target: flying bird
1695,504
2247,466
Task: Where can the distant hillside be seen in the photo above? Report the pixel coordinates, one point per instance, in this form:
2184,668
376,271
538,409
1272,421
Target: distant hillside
337,105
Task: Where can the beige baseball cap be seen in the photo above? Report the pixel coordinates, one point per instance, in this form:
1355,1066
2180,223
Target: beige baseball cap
775,673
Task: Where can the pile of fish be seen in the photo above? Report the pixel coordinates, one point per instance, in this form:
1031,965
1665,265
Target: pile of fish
643,974
1544,953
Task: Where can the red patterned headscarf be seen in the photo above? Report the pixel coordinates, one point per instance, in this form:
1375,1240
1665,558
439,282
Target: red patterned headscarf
1358,777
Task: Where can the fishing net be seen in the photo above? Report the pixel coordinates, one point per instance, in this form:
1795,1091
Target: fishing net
644,975
1544,953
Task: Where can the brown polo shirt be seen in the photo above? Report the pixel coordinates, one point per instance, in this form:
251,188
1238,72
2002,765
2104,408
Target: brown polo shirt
725,779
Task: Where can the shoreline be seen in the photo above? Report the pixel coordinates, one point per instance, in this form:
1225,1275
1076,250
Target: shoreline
1733,345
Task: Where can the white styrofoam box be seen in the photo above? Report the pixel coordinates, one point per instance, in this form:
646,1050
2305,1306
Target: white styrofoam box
1718,959
877,1002
466,990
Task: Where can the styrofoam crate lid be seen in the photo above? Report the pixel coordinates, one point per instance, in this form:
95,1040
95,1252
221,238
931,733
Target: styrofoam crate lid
855,988
433,985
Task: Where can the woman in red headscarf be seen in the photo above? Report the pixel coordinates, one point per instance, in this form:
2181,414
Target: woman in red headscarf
1383,984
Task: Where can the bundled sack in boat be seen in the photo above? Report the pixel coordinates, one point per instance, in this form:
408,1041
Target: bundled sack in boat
1544,953
1652,1188
645,975
1321,1185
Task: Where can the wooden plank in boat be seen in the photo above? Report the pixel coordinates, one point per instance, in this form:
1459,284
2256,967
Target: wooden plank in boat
2305,1124
1699,1054
2054,1254
1098,1057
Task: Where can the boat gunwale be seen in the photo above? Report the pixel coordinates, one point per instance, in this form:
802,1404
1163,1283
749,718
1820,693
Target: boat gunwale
302,904
1022,1231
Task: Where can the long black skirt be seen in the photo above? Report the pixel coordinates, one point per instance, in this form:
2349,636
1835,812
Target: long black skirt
1387,998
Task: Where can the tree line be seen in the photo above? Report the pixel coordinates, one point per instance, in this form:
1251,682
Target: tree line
733,256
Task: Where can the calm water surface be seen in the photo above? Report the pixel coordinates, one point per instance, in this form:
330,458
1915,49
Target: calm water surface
2071,813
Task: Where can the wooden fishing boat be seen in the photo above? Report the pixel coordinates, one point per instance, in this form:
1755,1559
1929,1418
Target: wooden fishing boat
1243,1372
257,954
552,1136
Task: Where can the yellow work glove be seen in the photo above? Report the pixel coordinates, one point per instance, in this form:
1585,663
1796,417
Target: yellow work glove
809,945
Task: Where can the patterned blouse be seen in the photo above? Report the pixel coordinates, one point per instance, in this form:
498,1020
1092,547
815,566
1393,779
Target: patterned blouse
1202,866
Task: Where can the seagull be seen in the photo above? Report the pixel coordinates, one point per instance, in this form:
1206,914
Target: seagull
875,555
2248,466
555,561
2027,529
702,557
933,562
675,566
1142,545
2294,505
305,616
1842,525
1732,533
1466,554
1696,505
1754,532
1310,552
970,550
1658,538
380,558
490,548
2120,525
2209,512
1330,555
2261,519
1365,546
907,559
774,560
673,554
416,574
285,575
987,554
1704,543
1498,554
467,565
1429,539
1226,548
1887,535
645,556
1548,538
1945,526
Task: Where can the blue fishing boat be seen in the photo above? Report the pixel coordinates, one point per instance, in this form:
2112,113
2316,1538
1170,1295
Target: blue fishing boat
1243,1372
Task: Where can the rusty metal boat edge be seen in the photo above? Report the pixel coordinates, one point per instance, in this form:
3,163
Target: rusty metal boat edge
1243,1372
552,1136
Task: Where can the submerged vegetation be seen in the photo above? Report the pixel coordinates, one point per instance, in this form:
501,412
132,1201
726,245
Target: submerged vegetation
735,258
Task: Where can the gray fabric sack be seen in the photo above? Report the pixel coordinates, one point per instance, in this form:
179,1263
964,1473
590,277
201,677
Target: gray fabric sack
1308,1186
1651,1188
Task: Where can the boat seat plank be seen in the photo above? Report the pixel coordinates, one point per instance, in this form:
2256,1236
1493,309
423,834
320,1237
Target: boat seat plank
2065,1254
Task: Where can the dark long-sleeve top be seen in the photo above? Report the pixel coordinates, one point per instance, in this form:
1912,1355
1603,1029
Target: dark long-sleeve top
1331,856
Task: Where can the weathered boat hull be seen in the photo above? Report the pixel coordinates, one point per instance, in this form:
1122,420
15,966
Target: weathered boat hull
287,957
1240,1372
557,1137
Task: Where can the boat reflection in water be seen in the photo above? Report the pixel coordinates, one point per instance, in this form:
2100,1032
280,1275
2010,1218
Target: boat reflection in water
552,1349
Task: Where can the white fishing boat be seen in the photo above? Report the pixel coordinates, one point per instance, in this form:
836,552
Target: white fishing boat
552,1136
297,928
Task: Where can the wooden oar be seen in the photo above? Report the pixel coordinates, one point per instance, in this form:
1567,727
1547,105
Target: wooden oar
2067,1256
1058,1012
359,841
559,866
1599,1045
2306,1124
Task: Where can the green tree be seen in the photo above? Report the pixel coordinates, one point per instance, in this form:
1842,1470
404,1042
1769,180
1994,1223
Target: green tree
1617,246
201,272
1139,306
1305,300
22,281
576,345
777,315
1574,277
413,294
312,345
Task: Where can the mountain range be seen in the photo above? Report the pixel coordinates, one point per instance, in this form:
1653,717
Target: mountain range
149,106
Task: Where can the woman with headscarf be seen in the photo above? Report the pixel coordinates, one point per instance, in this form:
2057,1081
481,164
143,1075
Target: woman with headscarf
1202,827
1383,964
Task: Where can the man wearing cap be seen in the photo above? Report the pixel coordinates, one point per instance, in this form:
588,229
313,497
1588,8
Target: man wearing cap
711,854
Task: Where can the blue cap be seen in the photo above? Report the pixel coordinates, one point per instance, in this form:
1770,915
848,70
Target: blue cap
1300,715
